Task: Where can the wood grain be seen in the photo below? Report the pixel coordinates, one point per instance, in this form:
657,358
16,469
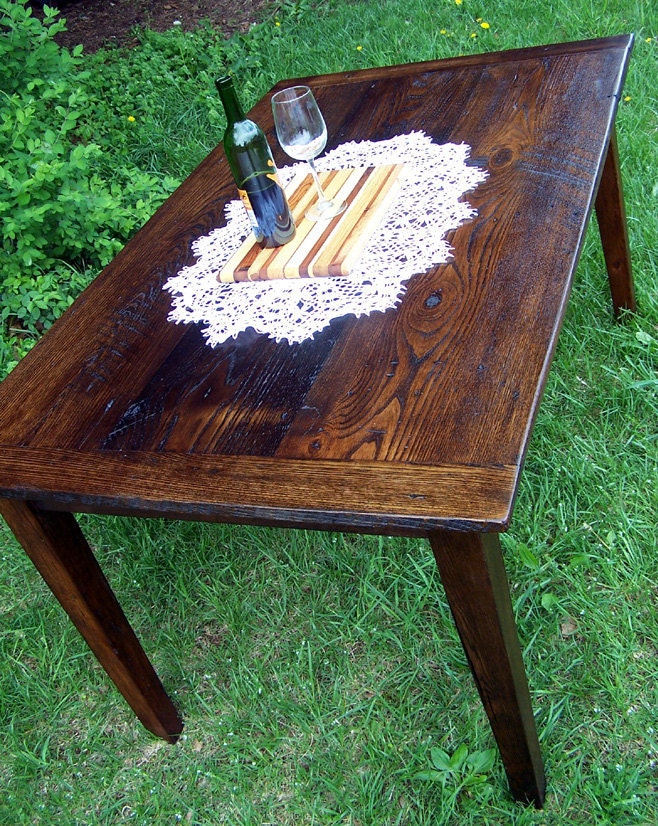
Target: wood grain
361,496
321,248
453,376
414,421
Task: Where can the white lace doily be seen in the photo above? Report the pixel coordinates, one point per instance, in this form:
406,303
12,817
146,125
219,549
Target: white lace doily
410,240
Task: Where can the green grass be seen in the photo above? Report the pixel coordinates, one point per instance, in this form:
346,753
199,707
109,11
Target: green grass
316,672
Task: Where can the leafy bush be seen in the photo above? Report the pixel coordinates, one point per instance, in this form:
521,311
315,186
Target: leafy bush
65,211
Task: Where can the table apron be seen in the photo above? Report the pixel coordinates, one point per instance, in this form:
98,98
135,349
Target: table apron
368,496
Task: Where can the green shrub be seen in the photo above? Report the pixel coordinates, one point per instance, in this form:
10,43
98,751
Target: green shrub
65,210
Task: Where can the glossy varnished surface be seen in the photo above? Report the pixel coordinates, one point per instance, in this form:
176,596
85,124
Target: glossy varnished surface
406,421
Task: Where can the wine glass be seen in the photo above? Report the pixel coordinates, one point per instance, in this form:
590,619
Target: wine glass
302,133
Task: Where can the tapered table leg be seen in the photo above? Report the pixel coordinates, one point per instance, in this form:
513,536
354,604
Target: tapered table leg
611,216
473,575
57,547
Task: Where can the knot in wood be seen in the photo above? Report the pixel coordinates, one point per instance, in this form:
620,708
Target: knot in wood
501,157
434,299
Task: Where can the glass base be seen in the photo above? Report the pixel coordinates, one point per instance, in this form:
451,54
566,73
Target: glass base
324,210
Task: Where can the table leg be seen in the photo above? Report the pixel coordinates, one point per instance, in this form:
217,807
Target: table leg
473,575
58,549
611,216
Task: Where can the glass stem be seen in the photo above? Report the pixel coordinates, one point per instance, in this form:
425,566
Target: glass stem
321,195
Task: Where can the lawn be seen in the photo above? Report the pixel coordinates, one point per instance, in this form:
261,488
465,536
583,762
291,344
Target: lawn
320,675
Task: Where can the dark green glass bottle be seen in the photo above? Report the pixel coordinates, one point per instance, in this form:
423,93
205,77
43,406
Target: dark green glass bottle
252,165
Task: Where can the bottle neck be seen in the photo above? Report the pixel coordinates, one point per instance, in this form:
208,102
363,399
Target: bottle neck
229,99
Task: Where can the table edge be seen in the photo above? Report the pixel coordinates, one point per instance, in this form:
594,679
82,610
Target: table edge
623,42
323,494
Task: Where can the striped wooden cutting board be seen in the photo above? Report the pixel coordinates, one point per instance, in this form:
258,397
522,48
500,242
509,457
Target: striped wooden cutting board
321,248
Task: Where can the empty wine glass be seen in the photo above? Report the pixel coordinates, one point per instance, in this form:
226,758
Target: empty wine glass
302,133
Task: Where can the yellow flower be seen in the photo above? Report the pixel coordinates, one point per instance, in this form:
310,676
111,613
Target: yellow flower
359,48
444,31
474,34
458,2
627,98
131,119
484,24
277,22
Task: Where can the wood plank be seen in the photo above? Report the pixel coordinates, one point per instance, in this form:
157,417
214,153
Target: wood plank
364,215
317,233
321,248
299,193
288,261
371,496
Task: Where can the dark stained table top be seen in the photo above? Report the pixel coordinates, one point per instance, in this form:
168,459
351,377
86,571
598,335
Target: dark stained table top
401,422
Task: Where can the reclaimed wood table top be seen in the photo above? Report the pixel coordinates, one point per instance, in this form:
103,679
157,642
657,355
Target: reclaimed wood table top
407,420
414,421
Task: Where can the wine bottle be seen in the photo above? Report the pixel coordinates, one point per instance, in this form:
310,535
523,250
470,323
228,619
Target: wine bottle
250,160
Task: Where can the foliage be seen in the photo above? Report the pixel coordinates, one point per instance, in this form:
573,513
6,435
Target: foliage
460,772
62,218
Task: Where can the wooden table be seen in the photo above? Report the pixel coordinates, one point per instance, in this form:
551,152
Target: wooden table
412,422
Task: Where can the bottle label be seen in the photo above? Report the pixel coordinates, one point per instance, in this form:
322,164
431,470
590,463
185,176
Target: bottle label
250,213
268,210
